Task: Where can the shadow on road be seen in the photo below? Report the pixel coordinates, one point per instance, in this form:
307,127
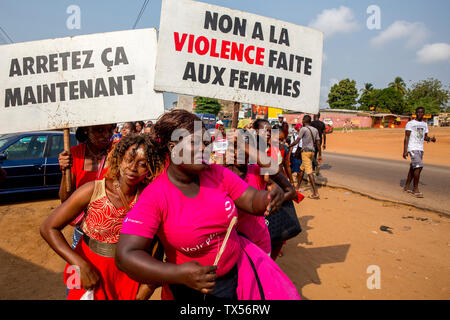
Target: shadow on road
308,260
28,197
403,181
23,280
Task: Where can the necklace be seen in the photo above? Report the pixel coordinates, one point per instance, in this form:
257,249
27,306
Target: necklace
116,185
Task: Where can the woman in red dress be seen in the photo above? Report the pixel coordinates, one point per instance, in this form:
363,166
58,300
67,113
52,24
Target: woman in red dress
87,162
132,165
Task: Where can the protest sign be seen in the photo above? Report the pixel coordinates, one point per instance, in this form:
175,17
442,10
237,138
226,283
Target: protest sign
78,81
211,51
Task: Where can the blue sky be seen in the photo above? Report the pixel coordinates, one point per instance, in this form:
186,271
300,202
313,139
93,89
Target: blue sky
413,42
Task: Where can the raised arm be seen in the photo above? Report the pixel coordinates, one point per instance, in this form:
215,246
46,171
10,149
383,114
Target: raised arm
65,161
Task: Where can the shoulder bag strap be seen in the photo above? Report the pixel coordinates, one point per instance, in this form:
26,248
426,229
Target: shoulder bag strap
312,137
100,168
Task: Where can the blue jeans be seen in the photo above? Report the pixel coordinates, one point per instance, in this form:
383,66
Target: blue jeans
77,234
295,163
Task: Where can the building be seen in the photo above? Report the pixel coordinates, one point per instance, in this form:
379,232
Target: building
338,118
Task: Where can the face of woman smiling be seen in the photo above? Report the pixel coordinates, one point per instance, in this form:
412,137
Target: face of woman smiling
134,166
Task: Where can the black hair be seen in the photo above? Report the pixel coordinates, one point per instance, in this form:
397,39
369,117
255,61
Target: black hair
81,135
258,122
307,118
417,109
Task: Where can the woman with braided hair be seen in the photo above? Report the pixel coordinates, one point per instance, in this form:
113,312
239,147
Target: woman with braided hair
132,165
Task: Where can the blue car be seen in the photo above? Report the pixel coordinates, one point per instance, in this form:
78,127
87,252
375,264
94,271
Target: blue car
30,160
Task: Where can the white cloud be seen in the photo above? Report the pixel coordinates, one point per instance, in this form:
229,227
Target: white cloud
435,52
332,21
414,33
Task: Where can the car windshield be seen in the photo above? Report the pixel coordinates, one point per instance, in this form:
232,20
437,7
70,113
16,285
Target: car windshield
5,139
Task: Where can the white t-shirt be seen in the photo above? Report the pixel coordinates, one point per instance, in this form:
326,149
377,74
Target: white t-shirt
294,137
418,130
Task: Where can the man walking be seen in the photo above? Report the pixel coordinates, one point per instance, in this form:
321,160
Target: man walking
320,126
296,161
416,132
310,142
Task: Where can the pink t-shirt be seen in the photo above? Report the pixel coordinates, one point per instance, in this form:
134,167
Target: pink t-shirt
254,227
191,229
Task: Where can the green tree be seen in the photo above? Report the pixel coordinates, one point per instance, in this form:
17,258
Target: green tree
399,85
388,99
207,105
366,97
343,95
430,94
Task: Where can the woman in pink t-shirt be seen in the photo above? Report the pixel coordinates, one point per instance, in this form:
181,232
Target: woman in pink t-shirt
254,227
190,207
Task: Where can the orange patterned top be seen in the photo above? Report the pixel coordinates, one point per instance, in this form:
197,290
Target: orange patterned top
103,221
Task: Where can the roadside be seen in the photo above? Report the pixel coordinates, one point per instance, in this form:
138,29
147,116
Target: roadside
388,144
341,237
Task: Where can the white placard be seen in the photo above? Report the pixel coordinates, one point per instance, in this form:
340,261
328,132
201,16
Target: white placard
79,81
211,51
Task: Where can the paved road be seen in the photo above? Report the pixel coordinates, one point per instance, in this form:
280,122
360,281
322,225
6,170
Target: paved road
386,178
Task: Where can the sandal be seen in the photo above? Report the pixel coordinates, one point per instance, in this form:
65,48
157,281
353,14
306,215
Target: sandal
417,194
313,197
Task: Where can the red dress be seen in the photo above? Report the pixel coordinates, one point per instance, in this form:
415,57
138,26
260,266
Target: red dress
82,176
103,222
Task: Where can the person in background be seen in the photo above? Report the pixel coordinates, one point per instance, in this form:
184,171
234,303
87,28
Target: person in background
284,150
87,162
220,130
191,206
284,125
262,126
254,227
320,126
139,127
416,132
128,128
310,141
132,165
148,128
295,162
117,135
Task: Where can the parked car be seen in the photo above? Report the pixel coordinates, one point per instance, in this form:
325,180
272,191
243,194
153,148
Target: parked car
31,160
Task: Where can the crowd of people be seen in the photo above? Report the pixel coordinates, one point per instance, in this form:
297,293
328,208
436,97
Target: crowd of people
143,219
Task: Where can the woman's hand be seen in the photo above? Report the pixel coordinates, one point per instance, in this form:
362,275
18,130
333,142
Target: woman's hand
197,276
65,160
276,196
89,277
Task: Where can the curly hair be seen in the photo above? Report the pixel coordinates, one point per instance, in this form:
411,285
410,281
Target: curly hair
155,163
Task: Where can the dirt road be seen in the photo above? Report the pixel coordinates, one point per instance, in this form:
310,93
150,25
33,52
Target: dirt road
386,178
388,144
328,260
